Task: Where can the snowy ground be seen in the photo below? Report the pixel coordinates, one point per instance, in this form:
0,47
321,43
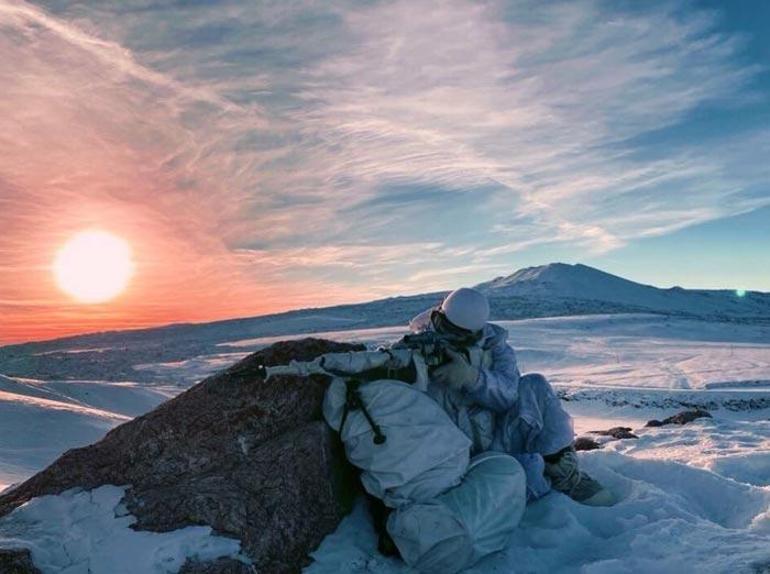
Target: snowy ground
672,518
39,420
619,350
89,532
693,498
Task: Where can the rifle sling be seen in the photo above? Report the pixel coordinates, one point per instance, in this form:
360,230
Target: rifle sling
354,401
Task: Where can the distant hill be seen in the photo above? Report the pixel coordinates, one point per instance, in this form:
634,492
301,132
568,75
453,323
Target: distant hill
550,290
559,281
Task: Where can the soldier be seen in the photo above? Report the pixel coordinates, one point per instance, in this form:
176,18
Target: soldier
480,386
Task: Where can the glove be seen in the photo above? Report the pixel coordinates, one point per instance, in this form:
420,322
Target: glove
458,373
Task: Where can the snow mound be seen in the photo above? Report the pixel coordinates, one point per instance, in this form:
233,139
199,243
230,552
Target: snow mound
89,531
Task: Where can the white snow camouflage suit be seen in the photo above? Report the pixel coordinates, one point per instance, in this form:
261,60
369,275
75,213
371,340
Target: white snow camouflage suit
505,411
449,510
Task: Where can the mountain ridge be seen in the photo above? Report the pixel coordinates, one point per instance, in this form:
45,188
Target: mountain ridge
552,290
581,282
538,282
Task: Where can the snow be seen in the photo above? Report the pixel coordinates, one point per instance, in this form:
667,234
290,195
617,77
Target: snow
192,369
35,431
88,532
370,337
123,398
642,351
692,497
672,517
736,449
39,420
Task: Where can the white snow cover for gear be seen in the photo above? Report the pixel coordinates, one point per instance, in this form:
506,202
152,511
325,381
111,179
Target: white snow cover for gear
349,363
458,528
466,308
424,453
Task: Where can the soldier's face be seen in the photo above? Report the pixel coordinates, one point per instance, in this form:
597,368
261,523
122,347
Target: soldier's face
445,327
459,338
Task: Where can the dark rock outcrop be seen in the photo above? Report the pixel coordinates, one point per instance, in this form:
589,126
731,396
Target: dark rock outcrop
16,561
586,443
221,566
250,458
681,418
617,433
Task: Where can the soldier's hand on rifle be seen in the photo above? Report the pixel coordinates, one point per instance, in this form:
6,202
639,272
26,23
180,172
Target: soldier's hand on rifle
457,373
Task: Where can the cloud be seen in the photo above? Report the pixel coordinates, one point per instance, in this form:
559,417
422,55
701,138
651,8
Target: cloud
473,94
258,155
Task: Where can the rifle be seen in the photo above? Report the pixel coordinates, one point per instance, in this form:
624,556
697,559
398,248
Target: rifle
427,349
344,364
408,360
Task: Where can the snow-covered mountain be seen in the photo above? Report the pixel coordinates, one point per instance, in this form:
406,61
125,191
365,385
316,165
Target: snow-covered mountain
560,281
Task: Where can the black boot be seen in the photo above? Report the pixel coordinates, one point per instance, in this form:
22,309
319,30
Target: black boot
380,514
562,469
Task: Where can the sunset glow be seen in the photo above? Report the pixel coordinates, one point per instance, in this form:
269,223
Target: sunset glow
94,266
271,156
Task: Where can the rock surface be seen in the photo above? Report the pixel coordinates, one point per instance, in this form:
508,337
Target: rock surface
16,561
617,433
220,566
586,443
250,458
681,418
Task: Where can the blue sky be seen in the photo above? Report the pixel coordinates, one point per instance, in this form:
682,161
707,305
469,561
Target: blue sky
288,153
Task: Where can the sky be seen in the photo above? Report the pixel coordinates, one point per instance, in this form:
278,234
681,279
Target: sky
263,156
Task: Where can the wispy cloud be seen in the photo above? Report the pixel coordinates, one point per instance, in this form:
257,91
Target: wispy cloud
260,155
473,93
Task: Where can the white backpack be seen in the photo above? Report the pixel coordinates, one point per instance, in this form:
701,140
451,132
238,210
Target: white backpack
404,443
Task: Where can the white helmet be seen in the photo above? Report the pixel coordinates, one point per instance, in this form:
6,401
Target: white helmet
466,308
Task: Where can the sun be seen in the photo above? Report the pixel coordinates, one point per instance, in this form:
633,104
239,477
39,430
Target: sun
94,266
